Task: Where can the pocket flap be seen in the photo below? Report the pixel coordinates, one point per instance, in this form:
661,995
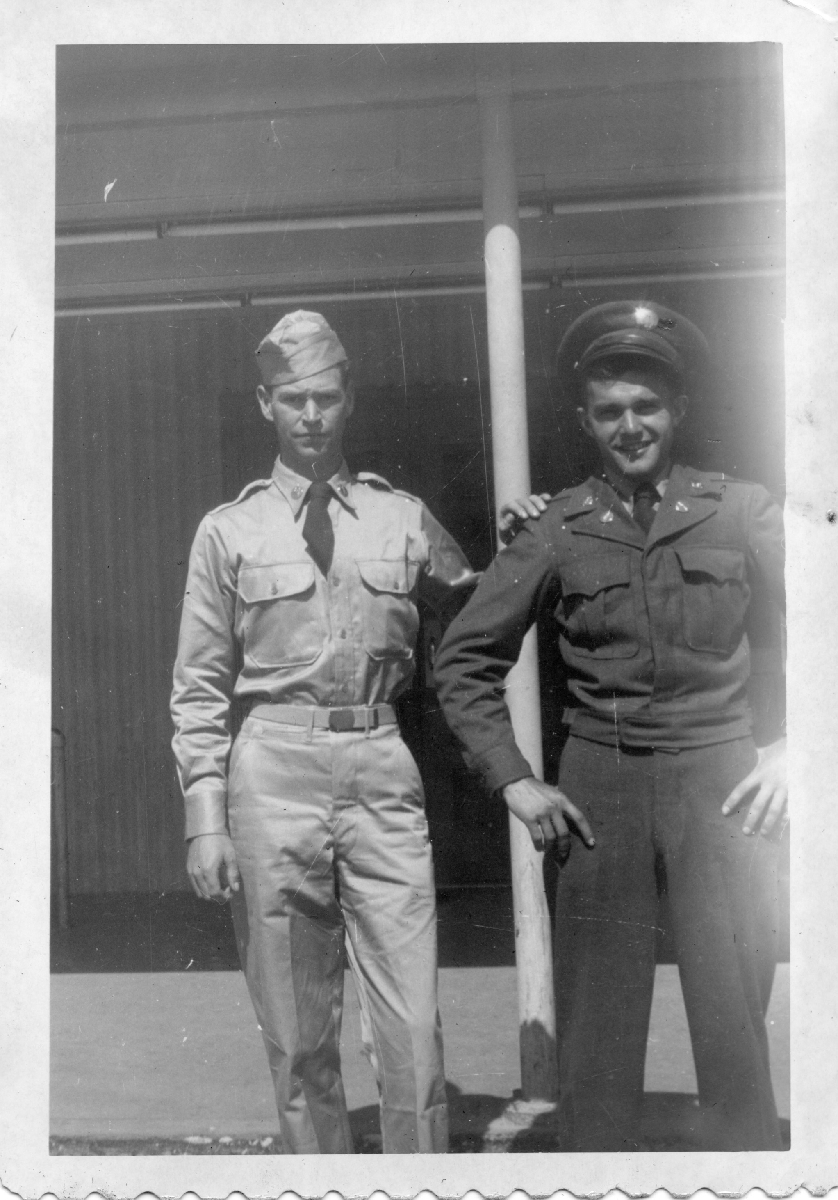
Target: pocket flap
588,576
388,575
275,582
717,563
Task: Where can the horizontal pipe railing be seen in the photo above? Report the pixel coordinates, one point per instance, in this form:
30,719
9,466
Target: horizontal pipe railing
190,227
565,282
245,301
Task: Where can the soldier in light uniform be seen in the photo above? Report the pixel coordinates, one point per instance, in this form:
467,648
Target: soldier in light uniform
301,606
648,572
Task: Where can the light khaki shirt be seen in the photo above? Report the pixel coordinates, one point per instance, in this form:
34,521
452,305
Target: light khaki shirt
260,619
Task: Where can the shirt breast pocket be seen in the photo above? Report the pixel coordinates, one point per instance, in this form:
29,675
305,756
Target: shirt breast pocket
389,616
281,619
597,606
714,597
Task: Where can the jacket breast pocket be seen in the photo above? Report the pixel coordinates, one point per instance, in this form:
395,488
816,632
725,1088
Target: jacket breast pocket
597,606
714,596
389,616
281,619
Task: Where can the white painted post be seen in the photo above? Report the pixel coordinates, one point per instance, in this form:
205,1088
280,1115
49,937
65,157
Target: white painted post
510,454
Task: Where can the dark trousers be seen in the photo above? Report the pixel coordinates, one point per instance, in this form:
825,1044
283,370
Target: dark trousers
658,826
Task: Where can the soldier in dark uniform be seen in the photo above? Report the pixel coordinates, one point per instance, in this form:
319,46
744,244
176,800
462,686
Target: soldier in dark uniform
648,571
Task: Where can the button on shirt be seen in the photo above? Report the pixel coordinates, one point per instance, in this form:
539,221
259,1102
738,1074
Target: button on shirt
261,620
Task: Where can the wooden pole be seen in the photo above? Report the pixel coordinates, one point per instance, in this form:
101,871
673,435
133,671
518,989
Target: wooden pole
510,456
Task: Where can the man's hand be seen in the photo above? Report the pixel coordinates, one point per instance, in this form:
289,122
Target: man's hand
544,810
515,512
770,804
212,868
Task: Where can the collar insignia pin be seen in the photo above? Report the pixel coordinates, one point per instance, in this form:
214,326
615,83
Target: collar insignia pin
607,516
681,507
588,501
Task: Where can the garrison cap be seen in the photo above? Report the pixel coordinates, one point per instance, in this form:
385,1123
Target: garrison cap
632,327
301,344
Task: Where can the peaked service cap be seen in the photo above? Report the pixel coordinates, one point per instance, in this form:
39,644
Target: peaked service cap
299,345
632,327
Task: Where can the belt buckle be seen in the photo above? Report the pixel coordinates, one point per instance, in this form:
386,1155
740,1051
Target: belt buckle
341,720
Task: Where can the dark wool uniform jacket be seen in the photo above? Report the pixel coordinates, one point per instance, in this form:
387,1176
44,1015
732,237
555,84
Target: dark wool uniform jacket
651,628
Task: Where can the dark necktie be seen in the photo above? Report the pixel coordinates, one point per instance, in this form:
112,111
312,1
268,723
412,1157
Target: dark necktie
645,498
317,527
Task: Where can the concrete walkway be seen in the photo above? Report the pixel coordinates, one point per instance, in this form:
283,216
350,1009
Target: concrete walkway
178,1054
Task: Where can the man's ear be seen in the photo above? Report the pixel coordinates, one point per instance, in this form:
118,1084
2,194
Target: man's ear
263,396
584,419
680,404
349,392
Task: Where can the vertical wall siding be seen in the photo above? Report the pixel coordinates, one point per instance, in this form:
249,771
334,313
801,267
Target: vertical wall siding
137,464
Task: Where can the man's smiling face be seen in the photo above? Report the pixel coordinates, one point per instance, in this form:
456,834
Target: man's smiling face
632,417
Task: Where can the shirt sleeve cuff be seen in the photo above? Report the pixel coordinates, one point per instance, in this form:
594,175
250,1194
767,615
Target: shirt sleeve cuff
502,765
205,813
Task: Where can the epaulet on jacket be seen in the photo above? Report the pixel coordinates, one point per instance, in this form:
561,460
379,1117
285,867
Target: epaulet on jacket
713,476
382,485
722,478
717,477
244,493
561,496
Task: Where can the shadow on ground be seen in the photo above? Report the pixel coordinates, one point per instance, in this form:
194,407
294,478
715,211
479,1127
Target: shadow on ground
670,1124
138,932
175,931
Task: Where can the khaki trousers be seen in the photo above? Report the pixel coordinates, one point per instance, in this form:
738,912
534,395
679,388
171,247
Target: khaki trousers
332,843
